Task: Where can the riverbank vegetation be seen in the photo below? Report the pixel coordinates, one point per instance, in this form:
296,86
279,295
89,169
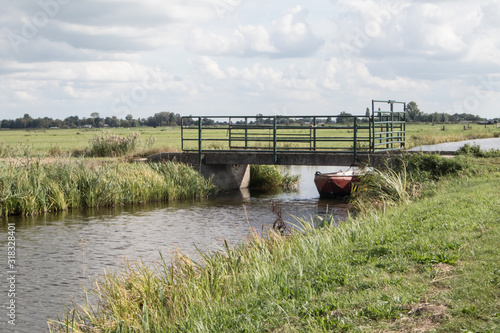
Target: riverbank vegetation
29,187
426,264
271,177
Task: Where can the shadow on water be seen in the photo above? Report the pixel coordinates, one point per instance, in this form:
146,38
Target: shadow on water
57,253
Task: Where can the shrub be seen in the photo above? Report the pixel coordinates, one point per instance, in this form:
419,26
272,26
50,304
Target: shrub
475,151
271,176
112,145
423,167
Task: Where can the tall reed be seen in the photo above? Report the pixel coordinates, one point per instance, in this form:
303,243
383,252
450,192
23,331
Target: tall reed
272,176
33,188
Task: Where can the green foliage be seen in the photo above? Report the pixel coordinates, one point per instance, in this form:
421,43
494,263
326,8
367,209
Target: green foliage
271,176
112,145
33,188
476,151
422,167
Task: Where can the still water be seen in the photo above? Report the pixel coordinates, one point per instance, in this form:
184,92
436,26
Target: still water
57,254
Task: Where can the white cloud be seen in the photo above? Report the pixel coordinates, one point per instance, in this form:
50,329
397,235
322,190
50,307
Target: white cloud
247,57
289,36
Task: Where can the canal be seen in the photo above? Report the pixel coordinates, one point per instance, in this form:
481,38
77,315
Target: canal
58,254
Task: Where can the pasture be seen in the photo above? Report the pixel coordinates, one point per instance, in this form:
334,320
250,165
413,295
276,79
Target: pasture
59,142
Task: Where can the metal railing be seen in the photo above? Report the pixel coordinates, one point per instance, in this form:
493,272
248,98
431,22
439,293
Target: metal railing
383,130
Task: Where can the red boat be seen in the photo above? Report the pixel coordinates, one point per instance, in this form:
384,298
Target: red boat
336,184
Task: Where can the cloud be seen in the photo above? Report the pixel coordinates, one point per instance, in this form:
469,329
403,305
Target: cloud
239,56
289,36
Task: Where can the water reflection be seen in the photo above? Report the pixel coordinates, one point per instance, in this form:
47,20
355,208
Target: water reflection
58,253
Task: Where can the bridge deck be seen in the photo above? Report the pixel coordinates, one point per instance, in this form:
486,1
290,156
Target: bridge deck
217,158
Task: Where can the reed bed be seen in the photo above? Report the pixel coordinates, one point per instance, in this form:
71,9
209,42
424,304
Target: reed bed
271,177
408,269
30,188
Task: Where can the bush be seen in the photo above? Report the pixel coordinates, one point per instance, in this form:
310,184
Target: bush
271,176
475,151
112,145
423,167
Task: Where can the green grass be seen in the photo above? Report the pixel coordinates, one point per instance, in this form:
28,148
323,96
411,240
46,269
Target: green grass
31,187
428,134
271,176
431,265
60,141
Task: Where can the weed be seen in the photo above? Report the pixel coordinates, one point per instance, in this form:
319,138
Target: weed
476,151
271,176
112,145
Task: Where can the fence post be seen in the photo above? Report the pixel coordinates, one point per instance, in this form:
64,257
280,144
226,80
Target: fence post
355,130
182,134
246,133
199,139
314,132
275,148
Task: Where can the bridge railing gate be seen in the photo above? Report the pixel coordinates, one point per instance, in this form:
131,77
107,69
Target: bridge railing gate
382,131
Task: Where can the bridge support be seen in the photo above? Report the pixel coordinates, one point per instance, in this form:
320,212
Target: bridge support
225,176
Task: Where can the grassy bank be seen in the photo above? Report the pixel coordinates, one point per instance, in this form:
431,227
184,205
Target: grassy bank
30,187
431,264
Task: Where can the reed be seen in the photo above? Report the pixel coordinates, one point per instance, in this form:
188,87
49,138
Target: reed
112,145
406,269
33,188
403,180
272,176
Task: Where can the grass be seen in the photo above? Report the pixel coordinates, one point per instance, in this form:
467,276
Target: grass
428,134
476,151
431,265
69,141
272,176
29,187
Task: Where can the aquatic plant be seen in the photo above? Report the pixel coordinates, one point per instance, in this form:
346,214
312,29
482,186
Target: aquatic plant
34,188
272,176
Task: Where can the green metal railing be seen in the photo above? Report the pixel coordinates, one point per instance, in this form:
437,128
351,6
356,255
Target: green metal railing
383,130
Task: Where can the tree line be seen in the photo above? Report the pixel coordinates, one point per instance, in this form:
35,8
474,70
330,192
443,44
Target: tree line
162,119
158,119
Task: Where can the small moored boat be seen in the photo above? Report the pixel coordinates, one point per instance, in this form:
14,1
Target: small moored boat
336,184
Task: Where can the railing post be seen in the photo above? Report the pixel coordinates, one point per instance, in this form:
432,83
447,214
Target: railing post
275,148
392,125
355,130
246,132
182,134
314,133
230,134
199,140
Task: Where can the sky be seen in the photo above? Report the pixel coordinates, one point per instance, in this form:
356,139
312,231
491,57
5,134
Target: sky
61,58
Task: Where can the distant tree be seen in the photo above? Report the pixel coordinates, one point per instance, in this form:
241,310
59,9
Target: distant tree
343,120
413,113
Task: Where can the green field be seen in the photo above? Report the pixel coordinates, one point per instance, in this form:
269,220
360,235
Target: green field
57,141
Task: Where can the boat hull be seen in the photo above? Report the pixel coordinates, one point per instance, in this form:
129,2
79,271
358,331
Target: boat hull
338,184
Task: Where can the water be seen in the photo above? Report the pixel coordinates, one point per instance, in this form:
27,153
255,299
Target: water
485,144
57,254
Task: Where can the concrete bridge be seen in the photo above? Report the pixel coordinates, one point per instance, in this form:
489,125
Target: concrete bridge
231,170
223,147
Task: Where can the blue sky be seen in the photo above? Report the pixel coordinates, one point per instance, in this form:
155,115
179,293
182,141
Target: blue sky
218,57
